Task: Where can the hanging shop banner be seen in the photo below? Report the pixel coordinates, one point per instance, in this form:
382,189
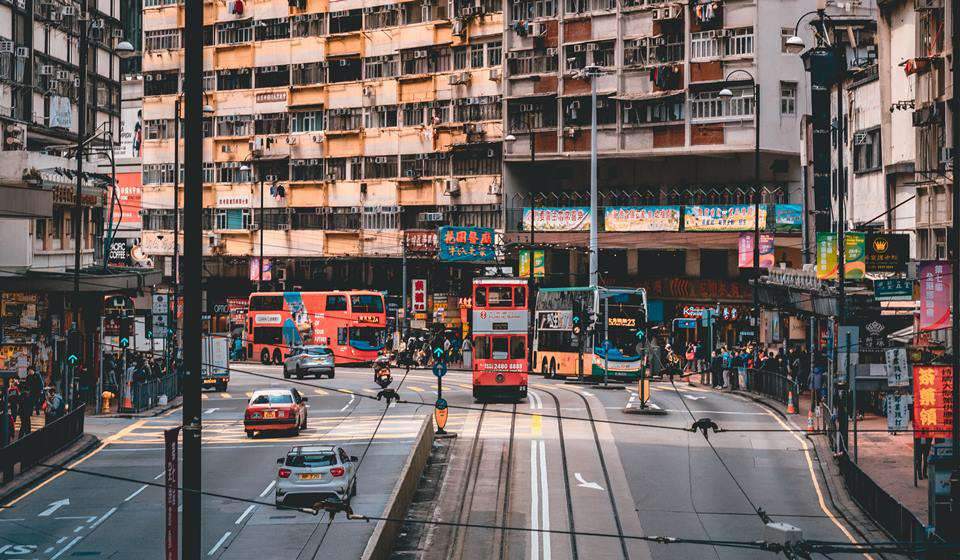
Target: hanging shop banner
420,242
237,308
466,244
855,258
575,218
419,290
827,257
932,406
641,218
887,252
788,217
722,217
935,286
898,412
893,289
539,263
254,269
895,364
129,200
745,250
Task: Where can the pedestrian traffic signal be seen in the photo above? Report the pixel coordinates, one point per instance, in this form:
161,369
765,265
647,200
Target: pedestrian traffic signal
125,328
577,318
74,347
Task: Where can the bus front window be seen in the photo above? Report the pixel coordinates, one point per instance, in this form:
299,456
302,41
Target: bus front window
367,338
368,303
500,351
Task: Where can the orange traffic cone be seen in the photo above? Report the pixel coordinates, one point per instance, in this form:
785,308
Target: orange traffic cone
127,401
790,408
810,421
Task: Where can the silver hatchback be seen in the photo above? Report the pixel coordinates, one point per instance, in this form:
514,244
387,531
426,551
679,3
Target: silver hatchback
308,474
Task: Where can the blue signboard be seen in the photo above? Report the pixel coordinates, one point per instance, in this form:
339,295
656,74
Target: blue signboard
788,217
466,244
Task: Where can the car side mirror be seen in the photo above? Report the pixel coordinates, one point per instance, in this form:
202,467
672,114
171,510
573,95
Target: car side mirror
353,459
280,460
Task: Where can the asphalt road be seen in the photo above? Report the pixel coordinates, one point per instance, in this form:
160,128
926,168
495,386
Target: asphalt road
107,518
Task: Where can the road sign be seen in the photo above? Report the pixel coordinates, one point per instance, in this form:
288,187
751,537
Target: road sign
440,413
686,323
161,304
440,369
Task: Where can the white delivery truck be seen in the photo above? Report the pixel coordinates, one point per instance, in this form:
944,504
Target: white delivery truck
215,368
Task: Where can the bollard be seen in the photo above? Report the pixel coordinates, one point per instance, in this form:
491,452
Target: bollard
106,396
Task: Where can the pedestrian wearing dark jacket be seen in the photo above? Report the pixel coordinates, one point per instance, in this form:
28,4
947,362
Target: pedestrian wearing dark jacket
716,370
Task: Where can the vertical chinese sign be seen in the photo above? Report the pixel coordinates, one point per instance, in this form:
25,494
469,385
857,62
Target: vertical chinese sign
935,286
171,479
827,259
419,295
745,251
932,401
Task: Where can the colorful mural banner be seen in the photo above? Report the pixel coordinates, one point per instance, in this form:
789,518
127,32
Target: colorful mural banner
932,406
641,218
855,258
466,244
539,263
788,217
565,218
745,251
722,217
255,269
935,289
827,256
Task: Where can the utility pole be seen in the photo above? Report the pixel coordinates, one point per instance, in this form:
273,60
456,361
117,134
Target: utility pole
403,291
841,261
81,138
172,323
592,72
260,227
192,284
955,265
531,282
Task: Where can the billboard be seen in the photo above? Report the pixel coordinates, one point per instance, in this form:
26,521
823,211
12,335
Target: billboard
131,134
788,217
457,243
558,218
932,393
745,250
129,201
722,217
887,252
641,218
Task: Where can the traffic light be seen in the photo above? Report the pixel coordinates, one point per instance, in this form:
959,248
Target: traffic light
74,347
125,327
591,321
577,313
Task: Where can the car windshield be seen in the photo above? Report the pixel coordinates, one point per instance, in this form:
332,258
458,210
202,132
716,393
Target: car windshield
324,459
273,399
317,351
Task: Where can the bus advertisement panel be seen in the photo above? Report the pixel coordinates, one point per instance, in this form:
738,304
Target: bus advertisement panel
351,323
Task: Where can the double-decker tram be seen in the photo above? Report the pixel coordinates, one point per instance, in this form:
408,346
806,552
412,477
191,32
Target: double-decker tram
500,323
351,323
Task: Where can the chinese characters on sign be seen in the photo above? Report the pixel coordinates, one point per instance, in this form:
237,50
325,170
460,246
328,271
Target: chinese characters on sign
466,244
558,219
887,252
129,191
745,251
641,218
419,242
539,263
893,289
898,412
932,401
935,289
725,217
896,366
255,272
419,295
827,261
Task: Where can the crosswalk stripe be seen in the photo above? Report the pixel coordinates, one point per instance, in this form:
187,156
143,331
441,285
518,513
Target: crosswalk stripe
225,396
204,396
415,389
321,392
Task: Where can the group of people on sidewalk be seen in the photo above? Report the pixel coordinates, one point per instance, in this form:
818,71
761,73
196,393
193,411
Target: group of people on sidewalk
28,397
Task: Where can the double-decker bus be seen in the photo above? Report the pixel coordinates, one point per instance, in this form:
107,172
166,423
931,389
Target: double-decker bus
615,346
351,323
500,323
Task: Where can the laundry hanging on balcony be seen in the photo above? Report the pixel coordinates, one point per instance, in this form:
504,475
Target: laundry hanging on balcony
706,12
665,77
236,7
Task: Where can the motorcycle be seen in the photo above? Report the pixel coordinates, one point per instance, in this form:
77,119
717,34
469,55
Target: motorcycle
381,371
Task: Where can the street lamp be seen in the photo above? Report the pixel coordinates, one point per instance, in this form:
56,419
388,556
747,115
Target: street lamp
591,73
727,94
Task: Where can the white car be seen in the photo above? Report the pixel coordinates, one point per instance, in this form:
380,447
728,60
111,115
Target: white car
309,360
308,474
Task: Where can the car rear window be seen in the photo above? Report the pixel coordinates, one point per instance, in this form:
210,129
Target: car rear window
273,399
325,459
318,351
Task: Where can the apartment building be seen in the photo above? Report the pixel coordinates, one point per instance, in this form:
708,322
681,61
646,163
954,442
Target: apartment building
357,126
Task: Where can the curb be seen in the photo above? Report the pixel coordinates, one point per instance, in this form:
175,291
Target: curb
35,475
380,544
153,412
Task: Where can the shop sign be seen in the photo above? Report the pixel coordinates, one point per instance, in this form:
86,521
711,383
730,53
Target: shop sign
419,296
21,314
874,339
848,350
118,255
725,312
935,286
492,320
255,273
827,257
887,252
539,263
641,218
466,244
565,218
745,251
893,289
65,195
271,97
228,200
237,308
420,241
898,413
895,365
854,259
722,217
788,217
129,191
932,401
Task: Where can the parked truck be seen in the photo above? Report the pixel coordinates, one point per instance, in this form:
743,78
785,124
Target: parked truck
215,369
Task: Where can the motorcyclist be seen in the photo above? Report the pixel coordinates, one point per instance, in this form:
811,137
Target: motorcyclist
381,369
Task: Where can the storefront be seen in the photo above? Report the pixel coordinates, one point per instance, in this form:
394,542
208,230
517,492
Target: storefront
24,341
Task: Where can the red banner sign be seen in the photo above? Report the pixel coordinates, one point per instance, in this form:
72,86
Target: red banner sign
130,198
932,401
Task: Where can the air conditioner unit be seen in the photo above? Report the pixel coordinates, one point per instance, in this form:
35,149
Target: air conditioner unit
946,155
257,145
68,11
281,274
283,227
381,159
570,132
270,178
22,52
430,217
214,240
291,140
495,188
47,69
55,17
452,187
318,138
538,30
411,173
63,75
422,53
494,74
331,176
6,46
578,47
459,79
458,27
117,33
253,226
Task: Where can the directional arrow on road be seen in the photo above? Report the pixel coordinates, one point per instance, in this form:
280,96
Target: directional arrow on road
584,484
54,506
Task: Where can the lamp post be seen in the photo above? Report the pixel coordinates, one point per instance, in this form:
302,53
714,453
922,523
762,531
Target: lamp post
727,94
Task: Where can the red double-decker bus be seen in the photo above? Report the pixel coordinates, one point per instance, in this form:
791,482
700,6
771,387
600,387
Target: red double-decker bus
351,323
500,322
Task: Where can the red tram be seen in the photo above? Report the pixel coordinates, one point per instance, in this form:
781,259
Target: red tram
500,330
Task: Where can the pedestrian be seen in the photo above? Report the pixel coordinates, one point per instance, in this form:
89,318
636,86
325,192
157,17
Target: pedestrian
54,405
13,398
35,385
702,365
466,351
656,359
716,369
727,366
30,393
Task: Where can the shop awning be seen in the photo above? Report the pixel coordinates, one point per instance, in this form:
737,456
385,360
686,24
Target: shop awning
91,281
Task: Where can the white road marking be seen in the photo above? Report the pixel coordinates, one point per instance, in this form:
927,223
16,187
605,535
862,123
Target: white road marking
159,476
268,488
61,539
66,548
210,410
582,483
14,520
535,401
545,496
89,519
216,546
693,398
587,393
48,550
102,518
346,406
534,503
54,506
134,495
245,513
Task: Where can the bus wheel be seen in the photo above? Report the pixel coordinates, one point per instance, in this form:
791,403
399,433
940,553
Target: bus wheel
277,357
543,368
553,369
265,357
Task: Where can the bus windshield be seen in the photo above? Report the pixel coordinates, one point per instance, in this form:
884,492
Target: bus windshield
367,303
367,338
266,303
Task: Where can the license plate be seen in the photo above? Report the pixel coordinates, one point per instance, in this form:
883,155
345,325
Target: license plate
209,381
310,476
270,414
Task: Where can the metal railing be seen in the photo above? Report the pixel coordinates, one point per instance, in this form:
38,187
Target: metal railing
773,385
146,394
33,448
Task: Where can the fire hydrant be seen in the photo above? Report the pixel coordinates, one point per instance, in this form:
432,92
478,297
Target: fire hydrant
106,396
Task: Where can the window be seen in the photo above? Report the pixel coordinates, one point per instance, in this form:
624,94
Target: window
534,113
380,116
708,105
345,69
785,34
234,125
532,9
307,170
307,25
518,347
494,53
474,109
477,161
306,121
459,58
268,335
788,98
336,303
866,151
380,167
233,172
272,76
499,349
424,165
271,29
346,21
425,61
158,129
476,56
577,111
154,173
307,73
344,119
266,303
233,32
161,39
231,218
519,297
704,44
380,66
271,123
579,55
382,16
532,61
739,42
380,217
239,78
499,296
161,83
650,112
209,80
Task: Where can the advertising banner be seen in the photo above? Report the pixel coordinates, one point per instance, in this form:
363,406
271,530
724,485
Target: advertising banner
854,261
824,67
255,272
419,294
932,406
895,364
898,412
745,250
887,252
935,286
893,289
722,217
827,256
131,133
466,244
130,201
641,218
576,218
788,217
539,263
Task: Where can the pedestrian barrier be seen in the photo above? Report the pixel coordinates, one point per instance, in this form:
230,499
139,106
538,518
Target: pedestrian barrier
146,394
773,385
33,448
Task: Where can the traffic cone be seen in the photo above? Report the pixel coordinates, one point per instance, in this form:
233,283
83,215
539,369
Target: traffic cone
810,421
127,400
790,408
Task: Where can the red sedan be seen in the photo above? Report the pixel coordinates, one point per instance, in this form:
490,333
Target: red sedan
272,410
